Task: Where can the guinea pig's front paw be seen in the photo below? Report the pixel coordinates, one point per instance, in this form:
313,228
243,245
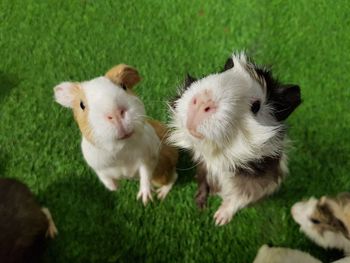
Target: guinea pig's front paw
163,191
145,195
112,186
223,215
109,183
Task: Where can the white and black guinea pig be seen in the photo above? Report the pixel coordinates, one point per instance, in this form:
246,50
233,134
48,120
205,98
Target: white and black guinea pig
118,139
326,221
24,225
233,123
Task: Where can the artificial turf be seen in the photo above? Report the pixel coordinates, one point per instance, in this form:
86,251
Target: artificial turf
45,42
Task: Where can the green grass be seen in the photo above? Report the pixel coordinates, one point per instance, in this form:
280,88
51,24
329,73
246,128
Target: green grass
45,42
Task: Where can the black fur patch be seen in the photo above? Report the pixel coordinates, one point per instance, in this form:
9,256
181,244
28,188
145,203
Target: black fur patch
284,99
229,64
187,83
203,187
249,180
330,219
258,168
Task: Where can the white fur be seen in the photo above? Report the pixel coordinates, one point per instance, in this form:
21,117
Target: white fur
110,157
286,255
343,260
233,135
283,255
302,212
103,97
232,130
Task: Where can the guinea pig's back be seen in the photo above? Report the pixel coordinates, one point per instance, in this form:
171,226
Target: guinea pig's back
23,225
168,156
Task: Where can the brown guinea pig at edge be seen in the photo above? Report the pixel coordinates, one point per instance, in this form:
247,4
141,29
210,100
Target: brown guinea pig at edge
24,224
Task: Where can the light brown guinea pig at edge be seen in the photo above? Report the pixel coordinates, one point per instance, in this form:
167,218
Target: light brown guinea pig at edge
326,221
118,140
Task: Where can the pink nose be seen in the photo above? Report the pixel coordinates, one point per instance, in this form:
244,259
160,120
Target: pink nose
117,115
201,108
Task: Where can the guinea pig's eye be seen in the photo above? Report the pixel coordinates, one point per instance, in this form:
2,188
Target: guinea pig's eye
123,86
82,106
255,106
315,221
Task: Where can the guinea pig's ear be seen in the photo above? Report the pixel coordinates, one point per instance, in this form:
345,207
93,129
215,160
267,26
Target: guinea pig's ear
286,99
336,215
186,84
188,81
124,75
64,93
229,64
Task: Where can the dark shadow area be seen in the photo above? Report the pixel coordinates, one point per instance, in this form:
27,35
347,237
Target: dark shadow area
3,159
320,171
186,168
7,83
90,222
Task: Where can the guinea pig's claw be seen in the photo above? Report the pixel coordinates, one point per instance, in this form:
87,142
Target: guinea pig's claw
163,191
222,216
145,195
51,230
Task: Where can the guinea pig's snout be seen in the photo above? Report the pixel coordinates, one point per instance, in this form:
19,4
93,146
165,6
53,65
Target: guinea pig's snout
117,115
299,212
294,210
117,118
201,107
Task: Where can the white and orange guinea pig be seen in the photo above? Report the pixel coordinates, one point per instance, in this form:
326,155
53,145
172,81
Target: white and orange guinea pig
118,140
326,221
233,123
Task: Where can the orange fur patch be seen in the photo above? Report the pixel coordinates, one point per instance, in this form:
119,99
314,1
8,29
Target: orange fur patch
124,75
80,115
168,156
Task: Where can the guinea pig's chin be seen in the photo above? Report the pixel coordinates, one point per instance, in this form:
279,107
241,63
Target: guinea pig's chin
113,135
195,134
209,133
125,135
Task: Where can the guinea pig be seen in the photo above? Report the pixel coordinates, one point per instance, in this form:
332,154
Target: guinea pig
268,254
326,221
233,123
118,141
24,225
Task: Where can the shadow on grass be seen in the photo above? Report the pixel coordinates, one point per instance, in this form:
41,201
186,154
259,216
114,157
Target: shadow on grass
90,224
3,158
186,169
317,170
7,83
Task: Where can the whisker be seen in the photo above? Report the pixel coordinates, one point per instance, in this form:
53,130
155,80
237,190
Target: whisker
188,168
